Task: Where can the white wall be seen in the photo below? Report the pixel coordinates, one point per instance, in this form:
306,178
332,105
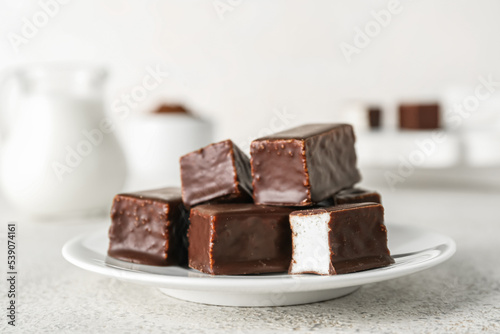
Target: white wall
266,55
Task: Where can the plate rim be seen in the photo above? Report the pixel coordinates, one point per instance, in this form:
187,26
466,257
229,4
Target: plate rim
280,282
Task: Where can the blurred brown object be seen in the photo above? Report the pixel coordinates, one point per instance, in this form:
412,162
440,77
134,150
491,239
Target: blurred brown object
170,108
419,116
374,117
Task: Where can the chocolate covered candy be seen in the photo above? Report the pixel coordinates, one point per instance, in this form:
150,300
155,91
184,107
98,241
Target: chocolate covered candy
419,116
339,239
374,117
233,239
356,195
303,165
219,172
147,227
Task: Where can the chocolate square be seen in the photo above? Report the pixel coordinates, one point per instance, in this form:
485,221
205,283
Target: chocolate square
339,239
147,227
236,239
419,116
303,165
219,172
374,117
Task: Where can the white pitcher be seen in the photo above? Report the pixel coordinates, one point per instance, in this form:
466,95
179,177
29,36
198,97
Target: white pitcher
59,154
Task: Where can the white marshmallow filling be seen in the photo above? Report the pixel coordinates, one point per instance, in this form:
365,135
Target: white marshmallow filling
311,249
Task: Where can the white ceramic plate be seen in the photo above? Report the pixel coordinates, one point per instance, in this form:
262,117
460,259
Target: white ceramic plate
414,249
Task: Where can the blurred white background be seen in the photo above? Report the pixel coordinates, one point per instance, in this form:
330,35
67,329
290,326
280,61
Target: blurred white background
255,67
237,61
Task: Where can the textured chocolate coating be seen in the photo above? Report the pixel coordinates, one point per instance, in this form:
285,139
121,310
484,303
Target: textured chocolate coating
419,116
356,195
219,172
357,237
147,227
236,239
303,165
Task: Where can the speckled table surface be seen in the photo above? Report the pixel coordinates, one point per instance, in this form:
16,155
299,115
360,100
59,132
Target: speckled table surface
461,295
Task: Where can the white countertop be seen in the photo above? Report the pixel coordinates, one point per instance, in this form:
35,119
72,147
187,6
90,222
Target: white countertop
461,295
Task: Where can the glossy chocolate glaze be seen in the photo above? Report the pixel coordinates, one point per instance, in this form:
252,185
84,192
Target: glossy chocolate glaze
303,131
236,239
356,195
419,116
147,227
219,172
303,165
278,169
357,237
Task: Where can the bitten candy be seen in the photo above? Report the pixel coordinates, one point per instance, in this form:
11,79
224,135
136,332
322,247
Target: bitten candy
235,239
356,195
338,240
303,165
148,226
218,172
